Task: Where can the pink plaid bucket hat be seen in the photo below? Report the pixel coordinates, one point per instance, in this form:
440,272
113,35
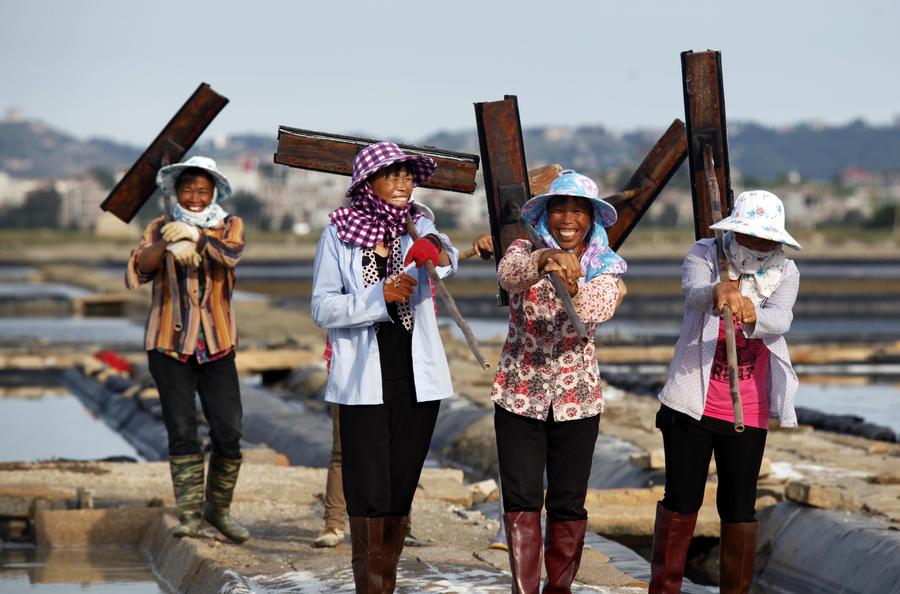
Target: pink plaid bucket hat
384,154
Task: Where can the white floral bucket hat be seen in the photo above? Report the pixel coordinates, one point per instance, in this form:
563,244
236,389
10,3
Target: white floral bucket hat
760,214
167,176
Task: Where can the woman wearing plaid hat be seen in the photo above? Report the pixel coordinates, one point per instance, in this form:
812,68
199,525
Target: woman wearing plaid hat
547,394
696,417
388,369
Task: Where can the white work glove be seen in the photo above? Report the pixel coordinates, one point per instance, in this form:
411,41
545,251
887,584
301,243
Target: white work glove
185,253
176,231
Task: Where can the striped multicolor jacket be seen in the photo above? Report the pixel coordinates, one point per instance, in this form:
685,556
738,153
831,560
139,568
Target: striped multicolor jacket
221,248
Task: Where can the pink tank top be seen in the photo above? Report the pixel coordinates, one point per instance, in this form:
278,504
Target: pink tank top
753,379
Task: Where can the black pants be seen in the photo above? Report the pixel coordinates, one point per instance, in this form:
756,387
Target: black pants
525,446
217,384
384,447
690,443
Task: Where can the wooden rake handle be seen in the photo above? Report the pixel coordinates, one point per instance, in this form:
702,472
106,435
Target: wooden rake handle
172,273
734,389
450,303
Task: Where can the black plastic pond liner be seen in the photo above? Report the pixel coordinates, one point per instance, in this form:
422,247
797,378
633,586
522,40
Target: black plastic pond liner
139,421
611,466
805,550
846,424
291,428
142,429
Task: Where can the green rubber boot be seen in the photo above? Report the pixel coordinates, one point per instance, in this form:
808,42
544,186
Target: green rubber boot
223,474
187,480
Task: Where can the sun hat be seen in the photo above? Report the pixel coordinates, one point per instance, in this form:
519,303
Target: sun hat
167,176
384,154
570,183
760,214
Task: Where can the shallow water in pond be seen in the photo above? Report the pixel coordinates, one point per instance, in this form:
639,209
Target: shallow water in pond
876,403
108,570
55,427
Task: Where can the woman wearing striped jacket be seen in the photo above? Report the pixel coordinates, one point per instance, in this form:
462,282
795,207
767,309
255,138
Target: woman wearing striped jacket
195,355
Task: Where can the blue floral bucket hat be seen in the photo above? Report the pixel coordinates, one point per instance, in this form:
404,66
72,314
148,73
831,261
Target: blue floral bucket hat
570,183
166,176
758,213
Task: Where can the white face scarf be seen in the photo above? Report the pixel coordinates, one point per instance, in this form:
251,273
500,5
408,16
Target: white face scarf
210,216
760,272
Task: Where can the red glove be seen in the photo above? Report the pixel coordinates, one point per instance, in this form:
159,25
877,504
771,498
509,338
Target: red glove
427,248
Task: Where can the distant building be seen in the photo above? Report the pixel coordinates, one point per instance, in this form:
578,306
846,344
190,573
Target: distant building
81,199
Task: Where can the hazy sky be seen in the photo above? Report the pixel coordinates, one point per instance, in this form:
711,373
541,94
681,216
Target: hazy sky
120,69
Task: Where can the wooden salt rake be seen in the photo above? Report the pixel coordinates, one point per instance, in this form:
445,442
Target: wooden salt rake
704,110
507,183
170,145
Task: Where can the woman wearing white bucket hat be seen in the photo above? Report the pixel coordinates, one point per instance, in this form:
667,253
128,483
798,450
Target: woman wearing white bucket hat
198,357
696,417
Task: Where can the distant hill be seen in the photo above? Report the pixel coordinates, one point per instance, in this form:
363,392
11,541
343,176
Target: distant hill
33,149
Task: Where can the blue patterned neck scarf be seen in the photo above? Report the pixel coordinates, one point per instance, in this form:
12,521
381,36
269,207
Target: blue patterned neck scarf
598,258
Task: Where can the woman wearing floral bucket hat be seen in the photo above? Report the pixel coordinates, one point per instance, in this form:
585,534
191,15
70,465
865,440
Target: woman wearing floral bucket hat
198,357
696,417
547,394
388,370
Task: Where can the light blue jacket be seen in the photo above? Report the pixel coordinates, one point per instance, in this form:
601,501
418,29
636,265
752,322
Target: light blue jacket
342,304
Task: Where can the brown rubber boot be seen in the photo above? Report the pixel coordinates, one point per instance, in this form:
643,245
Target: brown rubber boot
187,481
367,542
737,553
671,539
523,533
562,554
395,528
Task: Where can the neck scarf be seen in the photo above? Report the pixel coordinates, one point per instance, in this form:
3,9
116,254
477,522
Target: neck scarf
598,257
369,220
210,216
760,272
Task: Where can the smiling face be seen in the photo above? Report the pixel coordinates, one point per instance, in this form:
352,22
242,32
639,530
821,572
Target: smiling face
194,190
393,184
755,243
570,219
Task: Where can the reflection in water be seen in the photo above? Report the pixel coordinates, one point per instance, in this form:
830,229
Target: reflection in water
107,331
55,427
113,569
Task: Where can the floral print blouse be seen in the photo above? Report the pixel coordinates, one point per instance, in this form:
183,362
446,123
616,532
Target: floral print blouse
543,363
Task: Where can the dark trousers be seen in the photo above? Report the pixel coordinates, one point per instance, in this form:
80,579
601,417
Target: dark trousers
217,384
384,448
690,443
527,446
